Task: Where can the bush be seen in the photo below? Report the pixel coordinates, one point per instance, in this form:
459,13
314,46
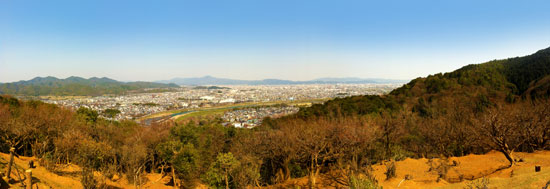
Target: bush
356,182
390,171
48,163
398,153
482,183
296,171
87,179
441,167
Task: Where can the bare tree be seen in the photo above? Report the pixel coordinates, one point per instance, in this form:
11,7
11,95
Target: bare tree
502,127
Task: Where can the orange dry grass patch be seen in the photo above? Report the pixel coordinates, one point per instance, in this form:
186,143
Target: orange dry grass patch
68,176
456,172
44,178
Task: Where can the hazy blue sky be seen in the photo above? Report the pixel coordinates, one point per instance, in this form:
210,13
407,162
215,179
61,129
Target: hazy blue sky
257,39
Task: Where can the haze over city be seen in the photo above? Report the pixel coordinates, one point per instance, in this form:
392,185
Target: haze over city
295,40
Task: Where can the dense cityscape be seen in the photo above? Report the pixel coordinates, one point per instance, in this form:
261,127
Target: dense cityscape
252,117
133,106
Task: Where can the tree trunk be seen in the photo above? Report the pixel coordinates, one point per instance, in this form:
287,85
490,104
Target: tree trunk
162,169
312,179
387,142
508,155
28,173
153,166
286,170
8,172
313,172
226,182
174,177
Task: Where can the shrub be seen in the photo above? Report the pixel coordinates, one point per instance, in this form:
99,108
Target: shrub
356,182
441,167
482,183
390,171
398,153
87,179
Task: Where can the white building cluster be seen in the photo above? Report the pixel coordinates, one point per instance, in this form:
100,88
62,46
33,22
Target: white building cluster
252,117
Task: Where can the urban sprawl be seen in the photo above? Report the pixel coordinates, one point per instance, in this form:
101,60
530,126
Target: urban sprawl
132,106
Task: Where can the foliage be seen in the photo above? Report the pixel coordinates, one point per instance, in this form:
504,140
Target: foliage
87,179
482,183
88,114
390,171
222,170
111,113
357,182
349,106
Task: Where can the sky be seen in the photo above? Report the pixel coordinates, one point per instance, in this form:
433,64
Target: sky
132,40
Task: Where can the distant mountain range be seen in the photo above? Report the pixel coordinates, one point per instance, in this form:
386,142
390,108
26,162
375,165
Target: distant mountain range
78,86
75,86
209,80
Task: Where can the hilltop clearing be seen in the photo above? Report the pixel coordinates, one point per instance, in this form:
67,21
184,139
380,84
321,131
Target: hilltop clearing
453,172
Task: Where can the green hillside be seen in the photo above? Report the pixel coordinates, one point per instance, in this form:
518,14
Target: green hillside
75,86
476,86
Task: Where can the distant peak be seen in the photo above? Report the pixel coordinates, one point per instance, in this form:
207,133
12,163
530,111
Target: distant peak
74,77
102,79
43,78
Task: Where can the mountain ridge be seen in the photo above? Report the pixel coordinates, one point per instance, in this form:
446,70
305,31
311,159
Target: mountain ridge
75,86
210,80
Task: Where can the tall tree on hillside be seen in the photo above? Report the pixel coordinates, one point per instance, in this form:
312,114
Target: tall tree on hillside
275,146
391,127
134,158
223,168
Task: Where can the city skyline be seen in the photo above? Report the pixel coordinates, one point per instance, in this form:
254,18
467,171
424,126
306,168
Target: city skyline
248,40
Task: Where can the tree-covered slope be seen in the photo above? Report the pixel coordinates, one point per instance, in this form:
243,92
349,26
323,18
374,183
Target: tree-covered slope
477,86
74,86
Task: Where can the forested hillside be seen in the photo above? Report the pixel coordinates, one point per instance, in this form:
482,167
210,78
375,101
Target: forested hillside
499,105
476,85
74,86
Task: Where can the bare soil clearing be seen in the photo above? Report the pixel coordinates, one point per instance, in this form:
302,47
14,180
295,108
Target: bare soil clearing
460,171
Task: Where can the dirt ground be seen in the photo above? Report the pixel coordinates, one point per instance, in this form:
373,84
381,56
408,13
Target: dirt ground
454,172
67,176
458,172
